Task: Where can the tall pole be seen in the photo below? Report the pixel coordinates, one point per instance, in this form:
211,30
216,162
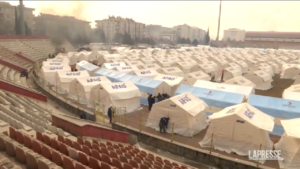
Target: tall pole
219,20
22,23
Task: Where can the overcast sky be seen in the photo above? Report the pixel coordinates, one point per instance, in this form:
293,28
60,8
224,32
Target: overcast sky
250,15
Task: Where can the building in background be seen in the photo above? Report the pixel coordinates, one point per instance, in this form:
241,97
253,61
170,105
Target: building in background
189,32
114,27
234,34
273,36
7,18
73,29
153,31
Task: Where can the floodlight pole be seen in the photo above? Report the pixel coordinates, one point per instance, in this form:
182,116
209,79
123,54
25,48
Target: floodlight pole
219,20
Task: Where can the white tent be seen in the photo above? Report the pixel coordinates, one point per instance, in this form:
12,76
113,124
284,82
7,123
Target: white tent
240,128
127,69
289,71
261,79
292,92
49,73
192,77
73,59
289,144
165,63
173,81
186,111
229,73
152,66
243,65
174,71
148,60
149,73
63,79
209,69
80,88
185,66
138,64
122,95
113,65
240,80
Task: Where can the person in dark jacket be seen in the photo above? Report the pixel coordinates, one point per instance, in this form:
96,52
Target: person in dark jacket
163,124
159,97
49,56
109,113
150,103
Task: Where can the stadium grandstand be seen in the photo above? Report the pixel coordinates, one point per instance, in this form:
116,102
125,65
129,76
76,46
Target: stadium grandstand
31,132
265,40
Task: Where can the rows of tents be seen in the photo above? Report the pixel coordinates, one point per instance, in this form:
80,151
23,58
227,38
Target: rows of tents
91,84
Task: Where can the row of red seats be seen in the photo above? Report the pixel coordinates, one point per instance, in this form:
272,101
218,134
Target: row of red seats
55,151
126,154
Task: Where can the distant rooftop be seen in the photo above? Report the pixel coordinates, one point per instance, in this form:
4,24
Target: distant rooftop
272,34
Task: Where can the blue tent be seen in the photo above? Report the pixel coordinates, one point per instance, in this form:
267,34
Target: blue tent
276,107
102,72
214,98
146,85
89,67
112,75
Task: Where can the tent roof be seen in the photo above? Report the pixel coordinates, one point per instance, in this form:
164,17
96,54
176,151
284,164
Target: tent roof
190,103
144,84
146,72
102,72
69,76
112,65
121,90
245,90
213,97
170,80
291,127
248,113
276,107
240,80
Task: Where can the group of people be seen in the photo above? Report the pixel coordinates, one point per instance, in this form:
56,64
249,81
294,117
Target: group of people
51,56
159,97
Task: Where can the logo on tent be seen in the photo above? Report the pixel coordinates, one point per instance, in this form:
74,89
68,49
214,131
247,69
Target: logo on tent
172,105
289,105
56,68
73,73
168,78
221,87
146,72
122,86
209,93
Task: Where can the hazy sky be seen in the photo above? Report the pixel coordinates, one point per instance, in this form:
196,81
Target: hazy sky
250,15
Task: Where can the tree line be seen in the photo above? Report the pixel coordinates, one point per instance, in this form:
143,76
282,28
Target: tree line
126,39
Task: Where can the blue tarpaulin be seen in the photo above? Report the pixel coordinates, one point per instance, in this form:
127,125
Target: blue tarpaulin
213,98
276,107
